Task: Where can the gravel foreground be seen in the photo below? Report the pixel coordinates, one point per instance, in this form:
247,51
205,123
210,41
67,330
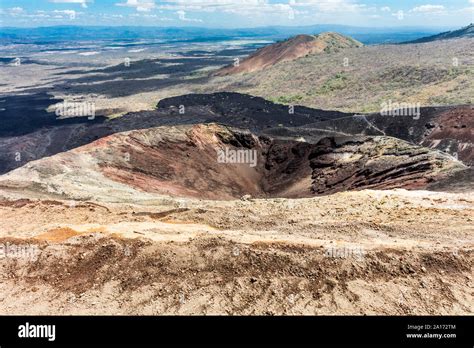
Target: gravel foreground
390,252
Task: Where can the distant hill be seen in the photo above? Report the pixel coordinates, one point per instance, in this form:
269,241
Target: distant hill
291,49
455,34
374,74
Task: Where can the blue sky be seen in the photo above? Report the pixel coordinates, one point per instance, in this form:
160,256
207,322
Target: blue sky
237,13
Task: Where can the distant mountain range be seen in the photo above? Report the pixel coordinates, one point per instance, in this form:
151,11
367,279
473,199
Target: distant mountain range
365,35
454,34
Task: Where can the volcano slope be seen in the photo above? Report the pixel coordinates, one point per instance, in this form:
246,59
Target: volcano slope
146,222
185,161
232,109
448,129
443,128
291,49
360,79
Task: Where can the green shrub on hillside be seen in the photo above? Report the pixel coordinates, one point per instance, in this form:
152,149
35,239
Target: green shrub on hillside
335,83
287,99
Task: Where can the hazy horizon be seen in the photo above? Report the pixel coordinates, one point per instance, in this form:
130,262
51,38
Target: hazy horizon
407,27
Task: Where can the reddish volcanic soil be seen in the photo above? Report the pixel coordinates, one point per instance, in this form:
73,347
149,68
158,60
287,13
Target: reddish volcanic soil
291,49
455,129
183,161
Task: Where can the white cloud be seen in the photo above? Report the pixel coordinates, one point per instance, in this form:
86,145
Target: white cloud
428,9
399,14
16,10
254,7
330,6
385,9
83,3
70,13
140,5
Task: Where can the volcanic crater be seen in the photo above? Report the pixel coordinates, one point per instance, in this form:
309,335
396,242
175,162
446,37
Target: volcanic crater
184,161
